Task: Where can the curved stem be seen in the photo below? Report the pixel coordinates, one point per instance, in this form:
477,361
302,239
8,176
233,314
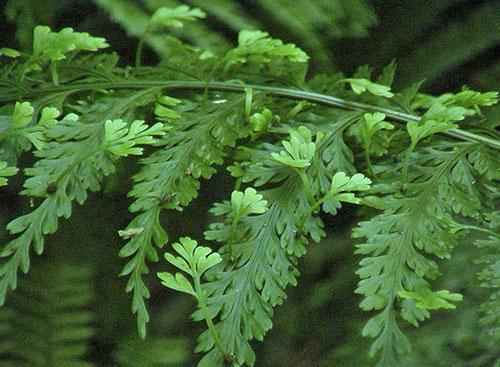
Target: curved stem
208,320
318,98
479,229
369,161
138,52
232,234
307,186
312,209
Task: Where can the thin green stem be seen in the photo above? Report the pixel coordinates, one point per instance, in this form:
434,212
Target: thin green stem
307,186
203,307
140,46
138,52
369,161
237,184
318,98
53,73
311,210
479,229
232,233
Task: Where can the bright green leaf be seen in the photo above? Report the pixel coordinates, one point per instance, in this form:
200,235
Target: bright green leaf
362,85
23,114
177,282
432,300
249,202
9,52
53,46
299,151
6,171
121,138
258,47
175,17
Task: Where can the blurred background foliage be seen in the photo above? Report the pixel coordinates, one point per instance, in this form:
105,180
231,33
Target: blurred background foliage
70,310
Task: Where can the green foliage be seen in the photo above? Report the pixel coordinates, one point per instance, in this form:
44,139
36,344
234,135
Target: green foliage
170,180
260,256
362,85
413,222
490,277
298,151
75,160
429,300
6,171
9,52
313,24
194,260
424,183
257,47
52,46
55,327
341,191
175,17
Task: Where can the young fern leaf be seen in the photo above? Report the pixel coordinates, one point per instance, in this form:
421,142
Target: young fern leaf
257,53
195,261
371,133
175,17
362,85
19,134
170,178
75,161
241,205
341,190
51,46
257,47
264,250
299,151
373,123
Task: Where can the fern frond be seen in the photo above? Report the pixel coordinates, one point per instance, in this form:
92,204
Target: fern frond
74,162
414,223
432,172
170,178
6,171
260,258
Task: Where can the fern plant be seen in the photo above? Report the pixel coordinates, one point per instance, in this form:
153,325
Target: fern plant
424,168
